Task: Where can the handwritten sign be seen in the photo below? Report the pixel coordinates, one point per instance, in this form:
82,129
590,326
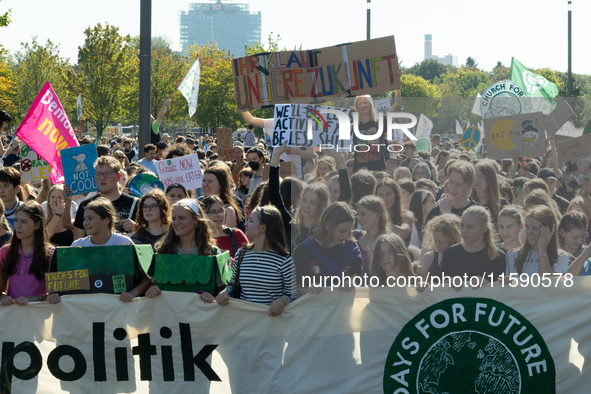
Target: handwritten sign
32,165
364,67
291,123
184,170
574,155
561,114
78,168
523,133
67,281
225,143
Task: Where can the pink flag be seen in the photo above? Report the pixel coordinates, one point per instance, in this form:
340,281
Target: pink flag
47,130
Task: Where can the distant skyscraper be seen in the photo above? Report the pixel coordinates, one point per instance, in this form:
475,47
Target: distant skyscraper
232,26
428,47
446,60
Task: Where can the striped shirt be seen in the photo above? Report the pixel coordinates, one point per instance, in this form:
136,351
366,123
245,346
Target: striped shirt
264,277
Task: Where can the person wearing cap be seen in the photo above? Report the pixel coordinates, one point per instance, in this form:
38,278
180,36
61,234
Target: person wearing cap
239,138
165,137
548,176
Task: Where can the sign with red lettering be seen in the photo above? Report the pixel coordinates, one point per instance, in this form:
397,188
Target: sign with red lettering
312,76
225,142
523,133
184,170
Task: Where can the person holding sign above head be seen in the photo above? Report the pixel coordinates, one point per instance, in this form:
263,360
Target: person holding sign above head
152,218
263,270
293,154
25,261
107,179
99,222
189,234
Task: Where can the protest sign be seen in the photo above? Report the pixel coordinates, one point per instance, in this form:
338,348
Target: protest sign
504,98
47,130
291,123
561,114
587,129
79,169
471,137
143,183
523,133
184,170
528,339
382,105
574,155
225,143
364,67
57,282
33,167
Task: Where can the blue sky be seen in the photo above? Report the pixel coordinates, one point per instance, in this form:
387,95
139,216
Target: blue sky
533,32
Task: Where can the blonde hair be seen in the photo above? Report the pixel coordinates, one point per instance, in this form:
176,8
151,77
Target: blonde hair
323,196
488,169
545,216
483,216
512,212
59,187
402,257
108,161
329,161
464,168
404,173
539,197
372,112
579,201
447,224
376,205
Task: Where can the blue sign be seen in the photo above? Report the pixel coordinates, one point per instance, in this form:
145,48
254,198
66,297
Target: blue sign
78,168
471,137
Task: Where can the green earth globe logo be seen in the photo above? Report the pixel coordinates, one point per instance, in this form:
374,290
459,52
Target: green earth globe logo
168,162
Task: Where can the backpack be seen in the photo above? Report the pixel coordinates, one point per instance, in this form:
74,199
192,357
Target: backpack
230,232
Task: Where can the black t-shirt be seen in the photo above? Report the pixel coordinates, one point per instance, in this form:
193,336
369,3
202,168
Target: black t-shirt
373,160
130,154
122,207
456,211
65,238
503,204
457,261
307,265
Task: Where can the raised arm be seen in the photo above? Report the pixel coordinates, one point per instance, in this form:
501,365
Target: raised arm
248,118
397,95
163,111
515,159
344,183
274,195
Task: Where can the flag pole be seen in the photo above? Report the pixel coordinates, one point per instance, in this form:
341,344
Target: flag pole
570,77
145,71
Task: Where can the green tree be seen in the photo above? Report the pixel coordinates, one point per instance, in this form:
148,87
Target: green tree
429,69
5,18
466,82
471,62
106,75
499,73
7,88
33,66
419,96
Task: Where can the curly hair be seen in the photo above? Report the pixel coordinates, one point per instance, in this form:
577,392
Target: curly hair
447,224
162,202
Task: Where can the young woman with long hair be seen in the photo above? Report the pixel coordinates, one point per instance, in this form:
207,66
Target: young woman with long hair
324,165
177,192
572,231
421,203
227,238
312,204
244,177
58,234
486,187
263,270
217,181
540,253
390,258
363,183
373,220
539,197
331,250
153,218
400,219
26,259
5,232
440,233
477,255
509,225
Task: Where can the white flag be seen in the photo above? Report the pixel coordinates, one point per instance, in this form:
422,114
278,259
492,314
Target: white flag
459,128
468,124
476,107
423,133
190,87
79,104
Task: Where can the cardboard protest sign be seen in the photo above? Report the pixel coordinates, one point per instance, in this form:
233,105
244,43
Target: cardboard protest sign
78,168
523,133
364,67
33,166
143,183
225,143
561,114
184,170
292,121
67,281
574,155
382,105
504,98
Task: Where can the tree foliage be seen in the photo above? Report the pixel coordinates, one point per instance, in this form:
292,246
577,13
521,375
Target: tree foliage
429,69
107,64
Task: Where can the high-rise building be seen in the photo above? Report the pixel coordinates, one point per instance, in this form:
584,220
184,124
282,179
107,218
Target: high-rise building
232,26
450,60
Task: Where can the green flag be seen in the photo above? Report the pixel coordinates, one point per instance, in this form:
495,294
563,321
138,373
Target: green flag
535,86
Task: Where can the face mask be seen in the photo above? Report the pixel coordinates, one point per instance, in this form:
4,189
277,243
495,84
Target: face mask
254,165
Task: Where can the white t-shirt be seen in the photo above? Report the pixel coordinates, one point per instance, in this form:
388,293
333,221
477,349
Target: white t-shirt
116,239
297,160
73,208
532,263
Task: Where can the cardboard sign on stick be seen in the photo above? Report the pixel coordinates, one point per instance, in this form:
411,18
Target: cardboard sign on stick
184,170
32,165
225,143
574,155
523,133
364,67
78,166
554,121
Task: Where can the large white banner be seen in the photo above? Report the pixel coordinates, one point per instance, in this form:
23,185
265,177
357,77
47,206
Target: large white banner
499,340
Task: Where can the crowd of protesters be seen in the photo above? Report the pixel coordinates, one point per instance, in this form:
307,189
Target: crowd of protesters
449,211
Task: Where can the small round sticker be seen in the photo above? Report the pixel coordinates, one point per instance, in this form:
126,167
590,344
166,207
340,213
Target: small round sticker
98,283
